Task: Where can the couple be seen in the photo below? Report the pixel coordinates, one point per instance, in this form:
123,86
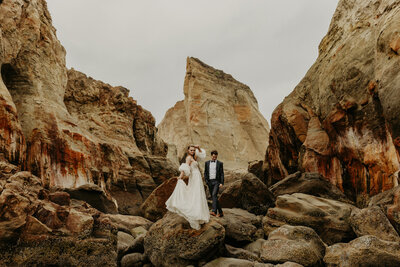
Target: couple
189,201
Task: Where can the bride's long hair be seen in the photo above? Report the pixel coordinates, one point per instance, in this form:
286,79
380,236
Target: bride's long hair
185,154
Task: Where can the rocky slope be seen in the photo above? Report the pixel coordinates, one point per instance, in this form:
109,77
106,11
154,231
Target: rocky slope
218,112
66,128
341,120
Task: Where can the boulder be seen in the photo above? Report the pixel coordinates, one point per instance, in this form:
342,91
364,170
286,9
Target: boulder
154,207
329,218
389,202
239,253
133,260
60,198
136,246
308,183
124,242
241,227
256,167
229,262
364,251
36,231
95,196
249,193
18,200
293,243
129,223
255,247
372,221
79,222
172,242
232,262
218,112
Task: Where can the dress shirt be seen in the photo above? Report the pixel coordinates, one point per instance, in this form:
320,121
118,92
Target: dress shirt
213,170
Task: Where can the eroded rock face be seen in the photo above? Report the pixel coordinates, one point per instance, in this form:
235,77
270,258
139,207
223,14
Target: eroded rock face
66,128
219,113
131,160
341,121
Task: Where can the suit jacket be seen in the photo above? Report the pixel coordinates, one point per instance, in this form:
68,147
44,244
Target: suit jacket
220,172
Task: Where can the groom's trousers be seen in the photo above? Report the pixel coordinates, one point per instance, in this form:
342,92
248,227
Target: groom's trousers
213,185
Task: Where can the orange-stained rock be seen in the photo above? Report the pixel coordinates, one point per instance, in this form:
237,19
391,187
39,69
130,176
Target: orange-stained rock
218,112
341,119
64,127
154,207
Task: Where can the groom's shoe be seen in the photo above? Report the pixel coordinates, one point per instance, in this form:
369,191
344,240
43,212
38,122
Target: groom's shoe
213,213
220,214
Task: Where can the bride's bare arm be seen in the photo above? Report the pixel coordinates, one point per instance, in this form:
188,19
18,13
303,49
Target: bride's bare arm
198,147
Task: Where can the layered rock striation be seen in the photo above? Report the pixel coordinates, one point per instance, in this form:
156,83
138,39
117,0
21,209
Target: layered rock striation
341,120
219,113
66,128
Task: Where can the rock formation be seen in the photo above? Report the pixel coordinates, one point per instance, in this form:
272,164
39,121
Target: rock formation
39,227
74,152
219,113
129,159
66,128
342,119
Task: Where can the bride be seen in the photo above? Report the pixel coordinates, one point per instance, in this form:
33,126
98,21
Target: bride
189,201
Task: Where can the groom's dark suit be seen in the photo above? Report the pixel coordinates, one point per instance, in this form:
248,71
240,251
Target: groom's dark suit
213,184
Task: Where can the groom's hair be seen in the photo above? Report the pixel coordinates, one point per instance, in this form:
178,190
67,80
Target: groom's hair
214,152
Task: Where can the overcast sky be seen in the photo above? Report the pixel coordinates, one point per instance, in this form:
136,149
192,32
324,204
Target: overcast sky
143,45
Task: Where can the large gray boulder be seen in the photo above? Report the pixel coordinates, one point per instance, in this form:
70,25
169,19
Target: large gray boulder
293,243
249,193
241,226
329,218
372,221
308,183
364,251
172,242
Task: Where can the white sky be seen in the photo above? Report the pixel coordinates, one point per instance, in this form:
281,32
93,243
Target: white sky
143,45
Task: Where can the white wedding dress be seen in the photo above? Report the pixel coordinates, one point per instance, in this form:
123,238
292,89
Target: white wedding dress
189,201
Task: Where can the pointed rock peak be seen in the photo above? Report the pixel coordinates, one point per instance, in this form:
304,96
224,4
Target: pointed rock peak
219,113
195,65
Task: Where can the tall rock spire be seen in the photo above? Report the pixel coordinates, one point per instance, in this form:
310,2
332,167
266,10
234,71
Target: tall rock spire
219,113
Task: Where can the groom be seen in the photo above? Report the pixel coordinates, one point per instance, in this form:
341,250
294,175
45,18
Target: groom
214,176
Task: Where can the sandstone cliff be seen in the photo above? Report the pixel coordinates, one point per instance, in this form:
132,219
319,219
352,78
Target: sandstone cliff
68,129
218,112
342,119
